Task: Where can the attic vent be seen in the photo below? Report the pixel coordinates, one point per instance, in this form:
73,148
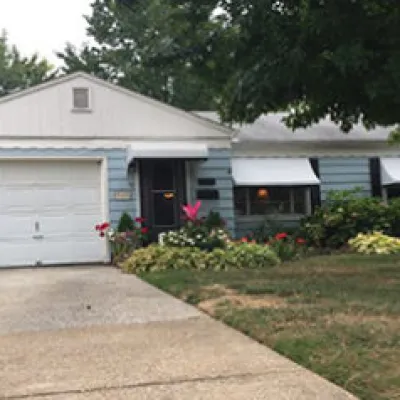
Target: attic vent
81,99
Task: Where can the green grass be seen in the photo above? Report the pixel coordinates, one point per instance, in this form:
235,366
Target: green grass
336,315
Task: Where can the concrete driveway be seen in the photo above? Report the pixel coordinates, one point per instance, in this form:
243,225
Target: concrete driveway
93,333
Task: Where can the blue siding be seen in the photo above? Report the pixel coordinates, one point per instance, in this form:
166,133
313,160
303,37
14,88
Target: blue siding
217,166
118,179
343,173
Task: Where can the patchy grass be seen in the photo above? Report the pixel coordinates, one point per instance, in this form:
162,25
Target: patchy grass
336,315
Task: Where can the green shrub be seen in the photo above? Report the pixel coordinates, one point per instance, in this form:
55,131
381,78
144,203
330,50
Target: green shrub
159,258
343,216
375,243
125,223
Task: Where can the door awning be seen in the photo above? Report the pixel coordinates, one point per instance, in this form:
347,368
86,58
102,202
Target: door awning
390,171
183,150
273,172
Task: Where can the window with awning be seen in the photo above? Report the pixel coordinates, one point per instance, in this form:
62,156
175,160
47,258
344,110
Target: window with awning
390,177
390,171
273,186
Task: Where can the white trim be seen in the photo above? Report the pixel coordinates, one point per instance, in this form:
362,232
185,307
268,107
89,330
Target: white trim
105,202
138,190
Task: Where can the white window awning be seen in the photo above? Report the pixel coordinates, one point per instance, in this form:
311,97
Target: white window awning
273,172
390,171
184,150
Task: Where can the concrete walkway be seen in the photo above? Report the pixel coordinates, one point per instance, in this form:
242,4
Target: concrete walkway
93,333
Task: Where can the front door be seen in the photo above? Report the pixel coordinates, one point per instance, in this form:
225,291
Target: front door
162,194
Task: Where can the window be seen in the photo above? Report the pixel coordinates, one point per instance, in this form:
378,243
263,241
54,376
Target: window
81,99
272,200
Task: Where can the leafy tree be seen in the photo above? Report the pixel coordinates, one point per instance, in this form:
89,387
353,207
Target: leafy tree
128,39
18,72
315,58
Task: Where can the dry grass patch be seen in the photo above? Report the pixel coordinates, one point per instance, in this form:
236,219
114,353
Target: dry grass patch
235,299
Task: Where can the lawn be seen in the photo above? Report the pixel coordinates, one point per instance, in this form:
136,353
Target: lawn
336,315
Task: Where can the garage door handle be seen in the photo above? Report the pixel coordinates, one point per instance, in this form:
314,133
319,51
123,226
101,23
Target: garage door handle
38,237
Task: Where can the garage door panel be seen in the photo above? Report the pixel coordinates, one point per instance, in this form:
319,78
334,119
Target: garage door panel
50,225
59,202
16,226
16,255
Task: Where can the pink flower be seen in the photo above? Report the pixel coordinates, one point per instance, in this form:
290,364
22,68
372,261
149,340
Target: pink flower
140,220
192,211
244,240
300,241
97,227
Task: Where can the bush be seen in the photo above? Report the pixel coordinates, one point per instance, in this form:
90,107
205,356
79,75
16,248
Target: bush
375,243
160,258
344,215
125,223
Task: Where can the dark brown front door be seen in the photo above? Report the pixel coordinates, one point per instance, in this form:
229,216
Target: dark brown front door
163,193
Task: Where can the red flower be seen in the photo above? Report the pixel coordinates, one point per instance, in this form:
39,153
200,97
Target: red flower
102,234
145,230
300,241
280,236
140,220
97,227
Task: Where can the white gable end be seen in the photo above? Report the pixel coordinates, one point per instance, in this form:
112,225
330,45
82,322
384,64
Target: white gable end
112,113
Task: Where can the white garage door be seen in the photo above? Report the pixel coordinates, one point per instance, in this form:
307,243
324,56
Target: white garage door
47,212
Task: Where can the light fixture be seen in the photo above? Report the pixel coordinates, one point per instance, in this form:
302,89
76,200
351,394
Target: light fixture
262,193
169,195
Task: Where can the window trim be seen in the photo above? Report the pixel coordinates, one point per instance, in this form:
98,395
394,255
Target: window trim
292,214
87,109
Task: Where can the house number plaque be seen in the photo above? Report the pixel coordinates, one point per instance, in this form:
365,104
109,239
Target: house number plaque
123,195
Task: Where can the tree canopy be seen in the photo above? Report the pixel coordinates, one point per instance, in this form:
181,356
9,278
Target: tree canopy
18,72
312,58
127,41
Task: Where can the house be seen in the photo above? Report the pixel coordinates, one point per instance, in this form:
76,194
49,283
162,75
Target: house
78,151
281,175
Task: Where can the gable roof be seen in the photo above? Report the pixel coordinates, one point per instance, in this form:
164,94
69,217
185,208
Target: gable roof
270,129
156,103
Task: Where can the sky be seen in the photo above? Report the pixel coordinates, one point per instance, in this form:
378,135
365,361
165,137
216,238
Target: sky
44,26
